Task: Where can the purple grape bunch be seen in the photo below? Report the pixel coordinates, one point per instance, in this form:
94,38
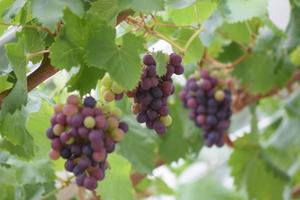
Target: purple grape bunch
151,95
210,106
84,134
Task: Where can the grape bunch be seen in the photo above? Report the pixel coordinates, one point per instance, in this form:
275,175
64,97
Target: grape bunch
110,89
151,95
210,106
84,134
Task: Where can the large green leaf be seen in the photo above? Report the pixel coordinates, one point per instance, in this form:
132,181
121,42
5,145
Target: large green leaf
49,12
139,146
241,10
145,5
193,14
179,3
236,32
117,183
106,10
249,163
208,188
123,63
182,137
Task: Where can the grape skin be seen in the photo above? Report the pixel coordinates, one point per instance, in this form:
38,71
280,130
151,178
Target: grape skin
84,135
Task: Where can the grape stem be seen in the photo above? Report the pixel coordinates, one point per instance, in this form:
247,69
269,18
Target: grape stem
65,183
31,55
191,39
163,37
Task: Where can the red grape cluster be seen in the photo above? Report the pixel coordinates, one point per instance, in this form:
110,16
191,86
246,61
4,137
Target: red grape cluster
210,106
151,95
84,134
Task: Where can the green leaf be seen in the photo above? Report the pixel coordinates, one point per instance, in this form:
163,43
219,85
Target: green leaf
64,54
179,3
254,70
33,41
161,60
230,53
292,31
208,188
249,164
148,6
49,12
241,10
37,125
117,184
182,137
139,146
85,80
12,11
236,32
195,50
195,13
18,96
295,56
210,26
102,52
25,150
106,10
8,176
4,84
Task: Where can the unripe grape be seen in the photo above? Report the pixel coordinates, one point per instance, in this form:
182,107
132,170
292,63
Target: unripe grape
116,88
109,96
166,120
112,122
70,109
89,122
99,156
118,134
219,95
106,81
58,129
58,108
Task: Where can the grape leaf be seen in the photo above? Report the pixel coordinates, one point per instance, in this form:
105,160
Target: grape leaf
161,60
253,72
182,137
18,96
295,56
49,12
145,5
25,150
248,164
37,124
64,54
179,3
106,10
210,26
4,84
241,10
115,174
195,50
122,63
8,176
85,80
139,146
12,11
33,41
237,32
195,13
208,188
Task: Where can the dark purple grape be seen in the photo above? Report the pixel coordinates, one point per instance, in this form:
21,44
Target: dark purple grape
141,117
156,104
61,119
87,111
109,145
156,92
164,111
98,174
80,179
179,70
77,170
159,127
73,132
124,127
152,114
151,71
90,183
148,60
83,132
50,134
89,102
69,165
65,153
175,59
76,150
56,144
87,150
84,163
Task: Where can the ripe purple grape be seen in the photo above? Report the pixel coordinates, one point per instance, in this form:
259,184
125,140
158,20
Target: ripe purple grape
210,106
84,135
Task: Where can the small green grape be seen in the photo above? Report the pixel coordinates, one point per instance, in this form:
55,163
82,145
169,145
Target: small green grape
89,122
106,81
116,88
219,95
166,120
